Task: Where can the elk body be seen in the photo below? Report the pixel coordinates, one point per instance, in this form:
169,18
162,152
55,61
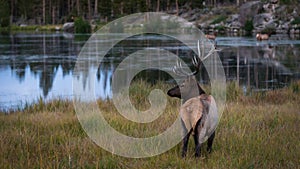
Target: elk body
261,37
198,113
211,37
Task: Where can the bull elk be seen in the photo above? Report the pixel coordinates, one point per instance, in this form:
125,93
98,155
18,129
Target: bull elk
211,37
261,37
198,112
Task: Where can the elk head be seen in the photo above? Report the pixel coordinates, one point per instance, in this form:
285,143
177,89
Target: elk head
190,87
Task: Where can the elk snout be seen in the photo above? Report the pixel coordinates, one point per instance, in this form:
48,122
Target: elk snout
174,92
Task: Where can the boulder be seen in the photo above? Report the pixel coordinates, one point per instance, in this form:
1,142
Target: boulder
236,25
270,7
264,20
233,22
295,13
68,27
249,10
23,25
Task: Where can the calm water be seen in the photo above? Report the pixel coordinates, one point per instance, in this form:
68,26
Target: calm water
40,65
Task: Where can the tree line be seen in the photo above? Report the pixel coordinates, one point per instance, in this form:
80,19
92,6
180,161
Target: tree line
44,12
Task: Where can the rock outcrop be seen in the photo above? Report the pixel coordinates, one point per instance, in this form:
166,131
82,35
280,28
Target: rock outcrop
249,10
68,27
267,17
263,21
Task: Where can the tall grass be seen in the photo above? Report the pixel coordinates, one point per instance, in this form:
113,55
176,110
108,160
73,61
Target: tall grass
257,131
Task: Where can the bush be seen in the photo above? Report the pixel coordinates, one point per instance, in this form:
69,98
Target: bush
268,31
249,26
82,26
4,14
219,19
220,28
296,21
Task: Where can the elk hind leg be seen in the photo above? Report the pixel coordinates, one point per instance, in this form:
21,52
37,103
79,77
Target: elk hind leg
210,142
185,143
197,144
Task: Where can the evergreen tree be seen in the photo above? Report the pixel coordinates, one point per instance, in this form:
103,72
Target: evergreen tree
4,13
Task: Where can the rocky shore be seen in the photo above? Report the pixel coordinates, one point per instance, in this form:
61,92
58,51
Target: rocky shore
251,17
269,16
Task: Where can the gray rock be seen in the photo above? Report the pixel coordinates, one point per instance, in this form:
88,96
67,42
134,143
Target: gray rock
195,16
68,27
285,26
233,22
295,13
249,10
264,20
23,25
271,25
280,9
292,31
235,17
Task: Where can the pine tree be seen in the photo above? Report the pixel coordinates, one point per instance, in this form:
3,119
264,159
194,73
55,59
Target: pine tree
4,13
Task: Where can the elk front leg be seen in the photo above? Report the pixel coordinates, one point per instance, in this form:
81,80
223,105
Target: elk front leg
185,140
185,143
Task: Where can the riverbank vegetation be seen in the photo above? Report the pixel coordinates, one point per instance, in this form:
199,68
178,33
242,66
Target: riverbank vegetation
260,130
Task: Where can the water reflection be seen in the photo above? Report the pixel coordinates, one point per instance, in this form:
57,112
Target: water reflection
261,67
34,65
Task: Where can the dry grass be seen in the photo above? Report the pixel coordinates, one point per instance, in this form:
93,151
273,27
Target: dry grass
258,131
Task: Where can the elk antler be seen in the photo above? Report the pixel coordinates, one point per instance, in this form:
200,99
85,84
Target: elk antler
197,60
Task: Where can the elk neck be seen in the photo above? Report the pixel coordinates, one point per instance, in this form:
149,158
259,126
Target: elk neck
195,90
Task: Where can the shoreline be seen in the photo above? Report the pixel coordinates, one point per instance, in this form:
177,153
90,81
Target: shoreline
234,93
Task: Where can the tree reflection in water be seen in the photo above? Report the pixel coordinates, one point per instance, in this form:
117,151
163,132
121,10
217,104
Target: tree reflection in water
34,65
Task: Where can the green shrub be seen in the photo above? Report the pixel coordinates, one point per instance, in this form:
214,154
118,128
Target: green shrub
296,21
286,2
219,19
249,26
220,28
82,26
268,31
4,14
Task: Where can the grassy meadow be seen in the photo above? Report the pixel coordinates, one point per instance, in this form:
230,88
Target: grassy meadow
256,131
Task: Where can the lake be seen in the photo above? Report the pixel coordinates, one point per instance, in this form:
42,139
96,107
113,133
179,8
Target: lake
37,65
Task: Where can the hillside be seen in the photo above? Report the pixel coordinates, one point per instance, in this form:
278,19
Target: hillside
266,16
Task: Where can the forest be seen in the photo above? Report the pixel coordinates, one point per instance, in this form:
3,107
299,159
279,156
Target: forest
44,12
